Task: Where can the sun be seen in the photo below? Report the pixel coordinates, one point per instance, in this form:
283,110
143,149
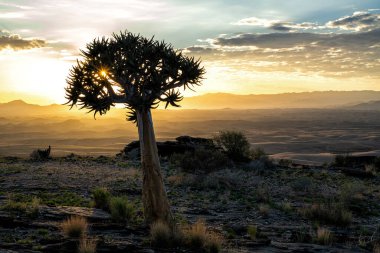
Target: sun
103,73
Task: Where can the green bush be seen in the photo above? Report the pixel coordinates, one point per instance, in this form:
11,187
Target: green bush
101,198
200,161
235,144
121,209
30,208
330,213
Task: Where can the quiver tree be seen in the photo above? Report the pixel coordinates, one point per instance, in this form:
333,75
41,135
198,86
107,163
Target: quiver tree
139,73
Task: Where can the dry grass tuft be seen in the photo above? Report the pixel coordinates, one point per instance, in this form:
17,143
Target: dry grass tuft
87,246
161,234
198,238
75,227
324,236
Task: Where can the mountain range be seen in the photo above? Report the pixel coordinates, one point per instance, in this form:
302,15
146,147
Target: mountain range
360,100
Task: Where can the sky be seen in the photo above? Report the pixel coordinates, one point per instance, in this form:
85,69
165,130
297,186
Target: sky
246,47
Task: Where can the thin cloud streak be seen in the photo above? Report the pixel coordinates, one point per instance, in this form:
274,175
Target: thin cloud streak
15,42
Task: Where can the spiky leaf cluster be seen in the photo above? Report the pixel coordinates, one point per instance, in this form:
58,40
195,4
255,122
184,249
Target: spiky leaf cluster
133,70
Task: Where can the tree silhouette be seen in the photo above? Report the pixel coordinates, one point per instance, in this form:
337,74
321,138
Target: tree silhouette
139,73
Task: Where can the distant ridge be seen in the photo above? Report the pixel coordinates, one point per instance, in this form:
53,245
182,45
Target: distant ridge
371,105
17,102
317,99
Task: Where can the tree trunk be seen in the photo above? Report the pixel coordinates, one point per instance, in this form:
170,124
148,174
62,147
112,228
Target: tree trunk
155,201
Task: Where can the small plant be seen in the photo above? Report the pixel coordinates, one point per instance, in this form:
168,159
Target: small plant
34,207
101,198
235,144
252,232
324,236
87,246
74,227
161,235
121,209
331,213
286,207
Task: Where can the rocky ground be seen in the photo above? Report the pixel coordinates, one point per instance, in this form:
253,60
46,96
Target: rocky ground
252,207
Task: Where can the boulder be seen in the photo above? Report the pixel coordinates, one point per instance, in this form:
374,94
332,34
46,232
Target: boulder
181,145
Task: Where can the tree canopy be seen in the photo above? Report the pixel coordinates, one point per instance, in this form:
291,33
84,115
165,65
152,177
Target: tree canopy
133,70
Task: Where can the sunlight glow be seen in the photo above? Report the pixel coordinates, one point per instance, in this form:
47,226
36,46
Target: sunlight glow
103,73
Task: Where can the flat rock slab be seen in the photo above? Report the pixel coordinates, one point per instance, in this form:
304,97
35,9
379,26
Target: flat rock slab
59,212
306,247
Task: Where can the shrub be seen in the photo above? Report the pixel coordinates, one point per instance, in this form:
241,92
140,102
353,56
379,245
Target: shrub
324,236
74,227
161,235
101,198
121,209
40,154
235,144
331,213
198,238
201,161
87,246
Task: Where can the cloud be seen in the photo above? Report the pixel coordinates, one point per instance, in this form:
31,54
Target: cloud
276,24
15,42
331,55
359,21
